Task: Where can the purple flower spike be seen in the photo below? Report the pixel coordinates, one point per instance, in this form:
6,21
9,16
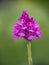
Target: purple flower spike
29,29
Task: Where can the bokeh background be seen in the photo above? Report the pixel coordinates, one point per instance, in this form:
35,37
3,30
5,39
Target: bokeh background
15,52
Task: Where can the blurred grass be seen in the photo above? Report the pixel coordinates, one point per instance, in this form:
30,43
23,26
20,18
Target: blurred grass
15,52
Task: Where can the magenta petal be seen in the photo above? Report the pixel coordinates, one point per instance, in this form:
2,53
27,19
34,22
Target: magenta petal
15,37
31,37
16,25
25,14
31,30
21,34
37,26
16,31
38,33
24,27
22,20
39,36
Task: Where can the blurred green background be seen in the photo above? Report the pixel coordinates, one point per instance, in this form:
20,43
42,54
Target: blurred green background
15,52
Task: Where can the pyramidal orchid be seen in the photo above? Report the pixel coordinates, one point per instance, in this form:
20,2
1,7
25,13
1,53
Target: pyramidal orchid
28,29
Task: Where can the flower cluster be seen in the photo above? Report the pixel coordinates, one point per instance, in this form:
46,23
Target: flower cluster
28,28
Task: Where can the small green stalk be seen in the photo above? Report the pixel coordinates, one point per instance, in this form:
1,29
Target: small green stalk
29,53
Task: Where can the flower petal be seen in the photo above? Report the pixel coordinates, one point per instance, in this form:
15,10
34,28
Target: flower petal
31,30
36,25
15,37
39,37
31,37
21,34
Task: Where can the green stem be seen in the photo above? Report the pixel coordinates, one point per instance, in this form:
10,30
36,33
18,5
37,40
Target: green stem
29,53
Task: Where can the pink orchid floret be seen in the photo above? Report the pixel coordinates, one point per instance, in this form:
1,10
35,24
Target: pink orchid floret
28,28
